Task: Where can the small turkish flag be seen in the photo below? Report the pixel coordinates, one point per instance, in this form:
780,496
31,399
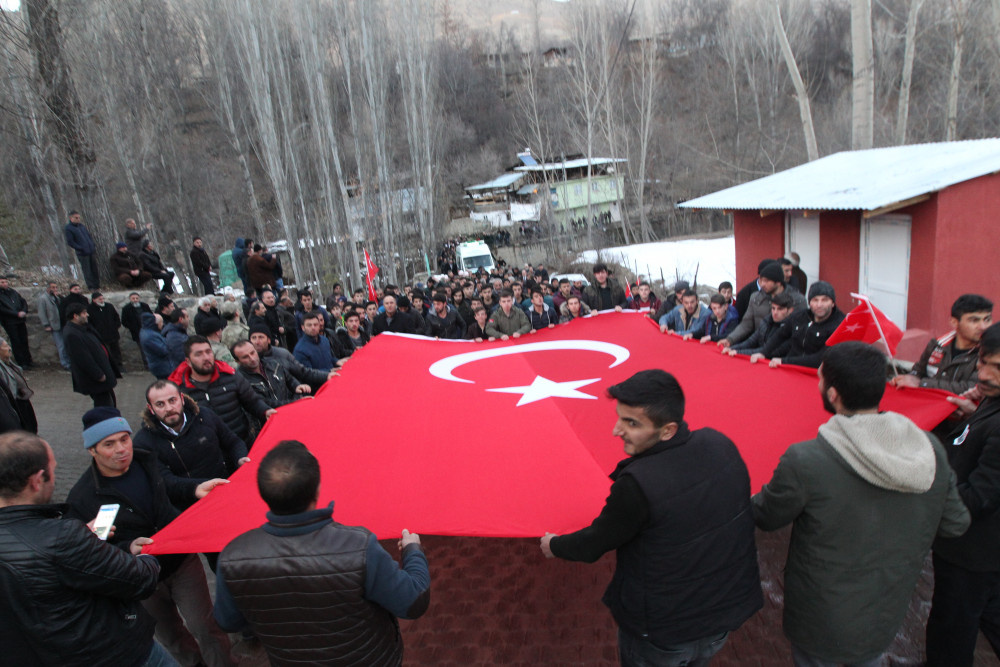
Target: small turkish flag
867,324
628,290
370,266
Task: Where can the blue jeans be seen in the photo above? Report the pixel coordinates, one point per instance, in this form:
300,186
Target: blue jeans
637,652
159,657
802,659
61,348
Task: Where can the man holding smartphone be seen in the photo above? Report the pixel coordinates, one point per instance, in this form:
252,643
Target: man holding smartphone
131,478
57,574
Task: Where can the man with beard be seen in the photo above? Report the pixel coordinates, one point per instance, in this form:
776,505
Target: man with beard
50,314
191,443
104,318
131,315
771,281
267,377
808,330
967,568
866,499
444,323
217,385
314,350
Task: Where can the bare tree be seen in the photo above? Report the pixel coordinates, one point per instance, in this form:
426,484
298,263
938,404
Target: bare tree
801,94
863,112
959,11
909,52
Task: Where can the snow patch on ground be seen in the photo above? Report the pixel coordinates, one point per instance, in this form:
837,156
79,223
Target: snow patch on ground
713,259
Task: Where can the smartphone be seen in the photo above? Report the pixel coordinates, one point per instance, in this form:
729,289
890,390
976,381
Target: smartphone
105,519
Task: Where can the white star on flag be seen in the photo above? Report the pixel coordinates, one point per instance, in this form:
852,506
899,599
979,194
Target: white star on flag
542,388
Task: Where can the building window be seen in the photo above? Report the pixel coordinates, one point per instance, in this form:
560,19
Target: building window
578,190
595,186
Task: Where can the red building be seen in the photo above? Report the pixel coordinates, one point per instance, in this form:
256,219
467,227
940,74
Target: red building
909,226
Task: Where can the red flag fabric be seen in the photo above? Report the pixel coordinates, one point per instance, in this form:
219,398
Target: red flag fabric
512,438
628,290
860,324
370,266
372,295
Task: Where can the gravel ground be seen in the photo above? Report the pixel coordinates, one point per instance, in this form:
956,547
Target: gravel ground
497,602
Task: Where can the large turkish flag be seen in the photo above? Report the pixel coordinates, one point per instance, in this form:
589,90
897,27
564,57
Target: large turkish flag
508,439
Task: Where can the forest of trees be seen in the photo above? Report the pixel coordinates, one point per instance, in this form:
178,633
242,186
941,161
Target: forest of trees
349,122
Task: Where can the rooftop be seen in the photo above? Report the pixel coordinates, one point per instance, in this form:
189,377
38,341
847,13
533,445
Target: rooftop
862,180
571,164
500,182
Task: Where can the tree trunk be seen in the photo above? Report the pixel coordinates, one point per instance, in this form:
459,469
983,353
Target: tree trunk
955,78
863,113
909,52
805,110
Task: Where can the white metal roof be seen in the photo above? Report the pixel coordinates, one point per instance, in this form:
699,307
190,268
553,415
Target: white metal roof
571,164
501,181
862,180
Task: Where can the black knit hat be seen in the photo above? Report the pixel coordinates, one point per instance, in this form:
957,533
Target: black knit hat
260,328
822,288
773,272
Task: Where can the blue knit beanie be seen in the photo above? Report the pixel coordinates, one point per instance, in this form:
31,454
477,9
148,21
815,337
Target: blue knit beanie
99,423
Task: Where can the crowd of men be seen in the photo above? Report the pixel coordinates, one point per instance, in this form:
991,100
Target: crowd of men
867,499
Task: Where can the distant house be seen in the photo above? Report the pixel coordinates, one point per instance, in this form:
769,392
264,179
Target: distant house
910,226
517,196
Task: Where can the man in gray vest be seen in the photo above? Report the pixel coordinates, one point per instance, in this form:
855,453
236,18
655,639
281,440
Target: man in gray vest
312,590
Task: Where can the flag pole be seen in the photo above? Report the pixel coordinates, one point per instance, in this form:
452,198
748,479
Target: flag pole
878,325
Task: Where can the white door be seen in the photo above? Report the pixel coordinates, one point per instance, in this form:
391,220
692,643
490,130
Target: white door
803,237
885,264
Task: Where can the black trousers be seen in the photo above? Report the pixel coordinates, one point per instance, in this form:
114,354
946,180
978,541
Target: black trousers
105,399
168,281
18,333
964,603
91,276
206,283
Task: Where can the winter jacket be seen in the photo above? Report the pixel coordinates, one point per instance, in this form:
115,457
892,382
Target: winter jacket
151,260
154,348
450,326
679,516
974,453
89,361
542,320
69,598
273,384
940,367
203,449
234,332
175,335
131,318
759,309
293,367
758,341
106,320
300,315
866,499
48,311
653,304
268,577
501,324
260,271
227,393
240,259
718,330
122,263
401,323
678,320
200,261
134,239
807,338
78,238
566,316
315,352
347,344
598,299
11,303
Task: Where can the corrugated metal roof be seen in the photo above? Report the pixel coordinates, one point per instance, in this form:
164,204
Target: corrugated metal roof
571,164
501,181
862,180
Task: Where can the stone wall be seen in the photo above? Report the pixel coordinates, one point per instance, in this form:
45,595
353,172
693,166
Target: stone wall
43,349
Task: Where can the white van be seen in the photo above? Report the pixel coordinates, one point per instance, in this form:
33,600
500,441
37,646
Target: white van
474,255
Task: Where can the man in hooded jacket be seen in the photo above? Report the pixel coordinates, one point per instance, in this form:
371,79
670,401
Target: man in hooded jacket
866,499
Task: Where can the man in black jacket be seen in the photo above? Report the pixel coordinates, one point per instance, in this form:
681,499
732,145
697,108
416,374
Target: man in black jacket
13,317
679,516
260,336
55,573
967,568
217,385
191,443
152,263
202,266
106,321
94,372
268,378
129,478
807,331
